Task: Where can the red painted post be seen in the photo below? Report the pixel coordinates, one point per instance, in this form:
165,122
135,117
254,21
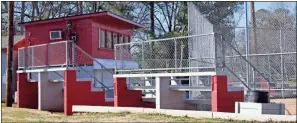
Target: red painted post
69,79
221,99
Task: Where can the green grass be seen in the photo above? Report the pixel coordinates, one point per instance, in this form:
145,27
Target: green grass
13,114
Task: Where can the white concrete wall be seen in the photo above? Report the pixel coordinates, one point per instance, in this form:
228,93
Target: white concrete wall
3,75
105,77
50,94
3,87
3,63
259,108
194,114
167,99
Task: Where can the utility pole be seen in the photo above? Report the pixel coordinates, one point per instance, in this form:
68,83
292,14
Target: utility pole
254,39
9,55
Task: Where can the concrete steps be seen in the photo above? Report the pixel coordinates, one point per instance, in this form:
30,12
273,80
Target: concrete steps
189,88
198,101
142,88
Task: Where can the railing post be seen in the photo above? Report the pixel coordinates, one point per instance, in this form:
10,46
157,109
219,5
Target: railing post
142,54
48,55
282,61
32,56
175,55
115,58
73,54
66,54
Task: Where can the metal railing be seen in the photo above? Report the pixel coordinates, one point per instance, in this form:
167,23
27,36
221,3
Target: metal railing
60,54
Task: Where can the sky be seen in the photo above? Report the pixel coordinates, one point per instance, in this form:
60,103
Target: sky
266,5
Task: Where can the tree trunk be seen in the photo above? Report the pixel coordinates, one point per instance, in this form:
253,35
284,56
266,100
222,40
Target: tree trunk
77,8
152,19
33,11
22,15
9,100
37,10
81,7
94,7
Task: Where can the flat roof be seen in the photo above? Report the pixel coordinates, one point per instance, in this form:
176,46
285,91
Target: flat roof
97,14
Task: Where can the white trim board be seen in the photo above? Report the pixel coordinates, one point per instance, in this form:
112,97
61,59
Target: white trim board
44,70
168,74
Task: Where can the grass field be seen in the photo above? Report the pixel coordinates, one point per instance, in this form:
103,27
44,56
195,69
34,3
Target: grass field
13,114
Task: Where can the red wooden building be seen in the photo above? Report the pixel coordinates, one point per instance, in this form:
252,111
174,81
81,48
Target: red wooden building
83,42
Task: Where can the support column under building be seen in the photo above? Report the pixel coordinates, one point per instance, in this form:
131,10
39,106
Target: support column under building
166,98
50,94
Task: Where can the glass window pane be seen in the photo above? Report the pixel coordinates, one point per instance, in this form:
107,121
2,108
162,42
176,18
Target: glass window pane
109,41
102,39
126,41
121,39
115,38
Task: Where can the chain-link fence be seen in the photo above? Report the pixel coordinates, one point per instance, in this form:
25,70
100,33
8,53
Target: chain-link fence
262,58
166,55
45,55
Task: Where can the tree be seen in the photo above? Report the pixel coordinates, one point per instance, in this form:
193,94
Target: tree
152,20
22,16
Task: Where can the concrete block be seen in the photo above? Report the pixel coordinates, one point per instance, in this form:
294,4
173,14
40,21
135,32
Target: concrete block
252,117
260,108
152,110
176,112
199,114
134,109
82,108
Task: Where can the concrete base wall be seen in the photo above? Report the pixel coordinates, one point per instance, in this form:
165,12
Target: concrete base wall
50,96
194,114
166,98
259,108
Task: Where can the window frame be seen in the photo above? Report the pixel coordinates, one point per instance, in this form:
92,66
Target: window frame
106,39
113,42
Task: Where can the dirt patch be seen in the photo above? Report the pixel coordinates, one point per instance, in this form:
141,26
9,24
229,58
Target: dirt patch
290,105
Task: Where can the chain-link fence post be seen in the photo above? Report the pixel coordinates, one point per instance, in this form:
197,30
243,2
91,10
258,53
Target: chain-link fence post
282,62
175,54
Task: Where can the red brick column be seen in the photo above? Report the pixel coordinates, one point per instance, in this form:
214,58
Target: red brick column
27,92
221,99
128,98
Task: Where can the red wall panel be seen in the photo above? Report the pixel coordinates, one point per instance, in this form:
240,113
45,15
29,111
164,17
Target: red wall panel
79,93
221,99
128,98
27,92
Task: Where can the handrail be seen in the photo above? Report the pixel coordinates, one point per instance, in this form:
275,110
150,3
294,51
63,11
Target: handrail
93,59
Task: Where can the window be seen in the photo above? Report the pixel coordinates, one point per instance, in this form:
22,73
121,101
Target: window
115,38
120,39
55,35
109,39
126,41
101,38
